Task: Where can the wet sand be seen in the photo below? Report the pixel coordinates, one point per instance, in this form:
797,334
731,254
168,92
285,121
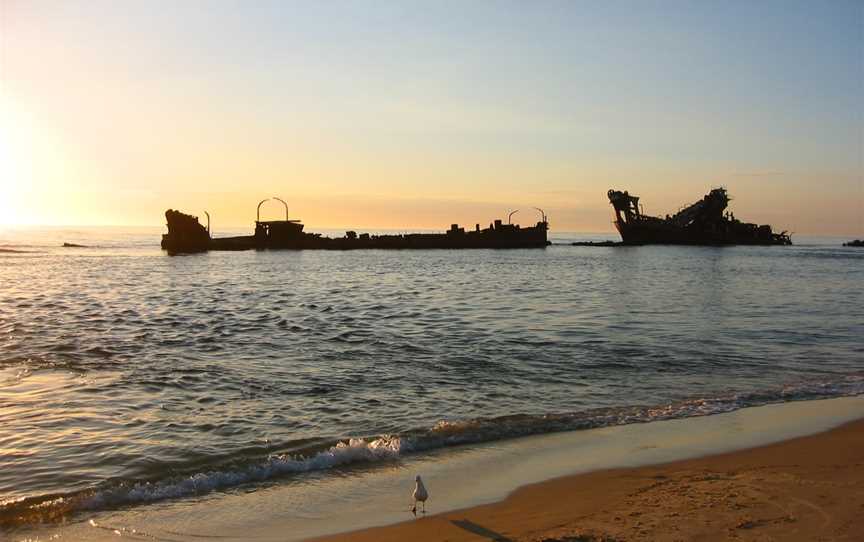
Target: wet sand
808,488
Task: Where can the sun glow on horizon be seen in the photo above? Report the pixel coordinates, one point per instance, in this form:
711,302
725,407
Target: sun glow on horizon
10,170
40,179
16,159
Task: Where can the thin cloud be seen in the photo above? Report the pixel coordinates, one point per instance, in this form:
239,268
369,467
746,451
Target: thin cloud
758,174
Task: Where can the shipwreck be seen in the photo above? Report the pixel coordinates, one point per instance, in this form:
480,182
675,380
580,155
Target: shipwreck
187,235
701,223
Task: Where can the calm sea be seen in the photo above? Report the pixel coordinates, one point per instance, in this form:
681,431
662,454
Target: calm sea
128,376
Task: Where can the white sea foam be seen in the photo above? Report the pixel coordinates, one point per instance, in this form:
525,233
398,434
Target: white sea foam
352,451
444,433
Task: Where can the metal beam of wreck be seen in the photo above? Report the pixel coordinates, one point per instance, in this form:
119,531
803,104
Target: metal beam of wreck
542,214
283,203
258,211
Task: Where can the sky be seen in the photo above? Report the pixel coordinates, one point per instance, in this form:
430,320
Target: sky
416,115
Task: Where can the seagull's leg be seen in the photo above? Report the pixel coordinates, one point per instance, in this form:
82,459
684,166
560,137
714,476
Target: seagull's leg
424,507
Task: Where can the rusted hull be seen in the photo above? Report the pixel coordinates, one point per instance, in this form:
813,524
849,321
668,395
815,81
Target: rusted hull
185,236
525,239
650,234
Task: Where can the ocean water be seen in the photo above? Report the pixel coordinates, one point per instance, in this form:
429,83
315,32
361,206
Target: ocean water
129,377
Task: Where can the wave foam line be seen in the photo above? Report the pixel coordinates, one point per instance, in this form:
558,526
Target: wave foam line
353,451
388,447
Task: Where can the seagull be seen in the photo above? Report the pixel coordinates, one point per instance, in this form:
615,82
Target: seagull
420,494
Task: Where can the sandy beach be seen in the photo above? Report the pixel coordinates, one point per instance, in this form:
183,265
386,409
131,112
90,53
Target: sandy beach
808,488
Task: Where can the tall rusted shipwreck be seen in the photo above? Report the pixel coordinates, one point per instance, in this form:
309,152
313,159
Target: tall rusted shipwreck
186,234
702,223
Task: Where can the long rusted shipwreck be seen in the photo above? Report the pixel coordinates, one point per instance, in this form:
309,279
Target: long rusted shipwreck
701,223
186,234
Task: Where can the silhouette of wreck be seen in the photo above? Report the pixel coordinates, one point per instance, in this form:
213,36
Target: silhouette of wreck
859,243
702,223
186,235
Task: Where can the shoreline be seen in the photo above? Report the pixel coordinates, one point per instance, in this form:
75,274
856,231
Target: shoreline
803,488
337,504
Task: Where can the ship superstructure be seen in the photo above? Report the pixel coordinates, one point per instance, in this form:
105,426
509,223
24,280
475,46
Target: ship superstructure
704,222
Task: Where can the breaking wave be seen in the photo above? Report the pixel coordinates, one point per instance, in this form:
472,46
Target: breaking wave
382,448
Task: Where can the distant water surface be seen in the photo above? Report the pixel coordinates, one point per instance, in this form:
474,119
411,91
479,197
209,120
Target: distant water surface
128,376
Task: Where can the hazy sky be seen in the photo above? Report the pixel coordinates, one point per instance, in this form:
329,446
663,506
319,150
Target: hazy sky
419,114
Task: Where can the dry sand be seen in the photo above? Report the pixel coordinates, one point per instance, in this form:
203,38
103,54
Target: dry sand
809,488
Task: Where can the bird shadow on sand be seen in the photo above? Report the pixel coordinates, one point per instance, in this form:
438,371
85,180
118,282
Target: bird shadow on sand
480,530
